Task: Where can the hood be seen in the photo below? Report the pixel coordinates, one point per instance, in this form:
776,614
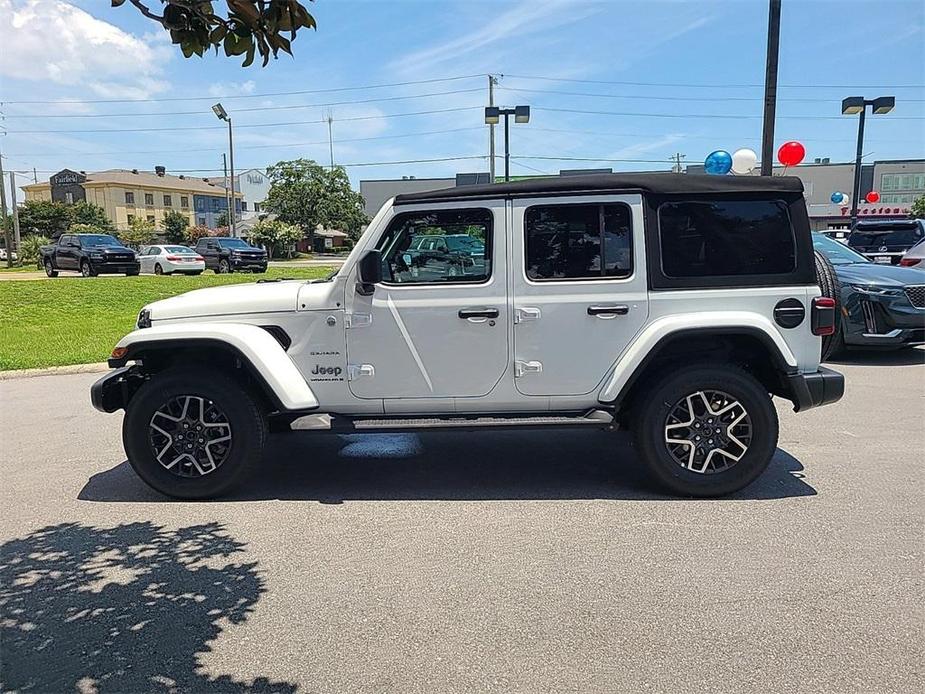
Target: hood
249,298
879,275
114,250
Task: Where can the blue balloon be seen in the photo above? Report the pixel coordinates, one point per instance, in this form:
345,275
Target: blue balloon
837,197
718,163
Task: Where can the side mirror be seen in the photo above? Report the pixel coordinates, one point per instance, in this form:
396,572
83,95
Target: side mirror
369,271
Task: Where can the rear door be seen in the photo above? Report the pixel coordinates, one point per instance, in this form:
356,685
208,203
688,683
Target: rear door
579,289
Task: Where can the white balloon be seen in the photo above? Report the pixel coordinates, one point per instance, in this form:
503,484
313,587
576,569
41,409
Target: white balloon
844,199
743,161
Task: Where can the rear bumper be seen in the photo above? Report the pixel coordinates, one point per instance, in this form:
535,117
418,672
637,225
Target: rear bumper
815,389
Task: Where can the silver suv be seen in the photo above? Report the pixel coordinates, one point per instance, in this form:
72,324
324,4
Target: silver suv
672,305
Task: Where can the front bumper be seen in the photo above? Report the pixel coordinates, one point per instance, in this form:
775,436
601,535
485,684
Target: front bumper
882,320
248,264
115,268
112,391
821,387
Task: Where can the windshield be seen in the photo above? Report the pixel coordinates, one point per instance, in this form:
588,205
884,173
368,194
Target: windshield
179,249
906,235
94,240
234,243
463,243
837,253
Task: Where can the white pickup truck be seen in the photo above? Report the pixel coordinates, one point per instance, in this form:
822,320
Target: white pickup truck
674,305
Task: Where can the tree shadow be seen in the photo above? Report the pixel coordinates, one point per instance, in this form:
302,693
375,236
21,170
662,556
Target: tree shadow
123,609
909,356
483,466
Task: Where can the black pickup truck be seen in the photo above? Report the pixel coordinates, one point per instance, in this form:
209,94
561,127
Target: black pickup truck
225,254
89,254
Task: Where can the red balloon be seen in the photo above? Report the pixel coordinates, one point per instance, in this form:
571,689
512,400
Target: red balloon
873,196
791,153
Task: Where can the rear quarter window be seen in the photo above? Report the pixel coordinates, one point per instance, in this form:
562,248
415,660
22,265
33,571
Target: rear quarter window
725,238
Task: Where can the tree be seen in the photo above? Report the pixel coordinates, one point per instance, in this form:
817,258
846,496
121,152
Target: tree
140,232
274,235
307,194
918,208
222,219
249,27
92,215
194,233
175,225
45,217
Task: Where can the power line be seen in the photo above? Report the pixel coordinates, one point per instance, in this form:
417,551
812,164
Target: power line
599,133
353,164
723,116
249,96
202,112
273,146
239,126
717,86
677,98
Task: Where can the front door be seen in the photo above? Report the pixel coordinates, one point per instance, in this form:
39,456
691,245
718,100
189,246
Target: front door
580,290
436,326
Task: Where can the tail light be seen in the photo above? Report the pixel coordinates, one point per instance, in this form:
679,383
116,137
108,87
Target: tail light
200,258
174,258
823,316
909,262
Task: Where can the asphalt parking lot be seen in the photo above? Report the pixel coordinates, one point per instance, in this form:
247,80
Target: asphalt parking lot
507,562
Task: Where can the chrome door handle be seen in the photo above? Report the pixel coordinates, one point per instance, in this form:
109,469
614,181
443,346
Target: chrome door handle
617,310
466,313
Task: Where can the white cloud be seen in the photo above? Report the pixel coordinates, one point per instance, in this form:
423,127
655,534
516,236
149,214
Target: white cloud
526,18
233,88
58,42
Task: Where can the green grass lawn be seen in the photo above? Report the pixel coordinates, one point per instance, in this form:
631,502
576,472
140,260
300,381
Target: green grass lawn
72,320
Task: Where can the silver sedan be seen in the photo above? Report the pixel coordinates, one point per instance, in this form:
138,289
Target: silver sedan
915,256
165,260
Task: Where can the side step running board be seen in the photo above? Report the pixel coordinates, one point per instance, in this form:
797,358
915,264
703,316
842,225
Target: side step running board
592,418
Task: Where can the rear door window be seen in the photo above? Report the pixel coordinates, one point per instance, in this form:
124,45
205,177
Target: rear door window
724,238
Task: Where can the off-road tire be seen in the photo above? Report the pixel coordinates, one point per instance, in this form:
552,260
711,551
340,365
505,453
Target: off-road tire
830,287
662,395
49,269
248,431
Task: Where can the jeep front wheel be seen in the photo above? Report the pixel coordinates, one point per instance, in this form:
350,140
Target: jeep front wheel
193,434
706,430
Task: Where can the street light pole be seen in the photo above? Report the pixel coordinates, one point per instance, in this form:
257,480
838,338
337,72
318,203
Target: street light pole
856,189
220,111
770,88
493,116
857,105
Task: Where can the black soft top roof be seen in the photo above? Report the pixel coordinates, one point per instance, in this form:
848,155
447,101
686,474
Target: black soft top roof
659,183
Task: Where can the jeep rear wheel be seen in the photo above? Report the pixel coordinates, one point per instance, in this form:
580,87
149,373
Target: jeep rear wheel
193,434
706,430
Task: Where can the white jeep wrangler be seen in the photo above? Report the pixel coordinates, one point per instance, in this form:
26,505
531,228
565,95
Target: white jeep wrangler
674,305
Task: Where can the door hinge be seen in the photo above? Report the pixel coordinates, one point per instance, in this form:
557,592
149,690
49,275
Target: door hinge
522,368
358,320
526,313
355,371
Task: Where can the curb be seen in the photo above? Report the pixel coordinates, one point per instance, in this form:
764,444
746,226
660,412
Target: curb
54,371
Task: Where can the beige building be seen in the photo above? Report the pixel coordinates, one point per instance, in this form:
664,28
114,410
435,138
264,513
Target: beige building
126,194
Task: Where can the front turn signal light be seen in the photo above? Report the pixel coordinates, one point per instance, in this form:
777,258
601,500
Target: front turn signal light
118,352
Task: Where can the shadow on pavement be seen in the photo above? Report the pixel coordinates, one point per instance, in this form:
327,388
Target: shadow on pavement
498,465
123,609
870,357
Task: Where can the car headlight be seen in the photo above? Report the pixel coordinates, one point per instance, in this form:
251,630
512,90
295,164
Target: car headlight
144,318
96,256
874,290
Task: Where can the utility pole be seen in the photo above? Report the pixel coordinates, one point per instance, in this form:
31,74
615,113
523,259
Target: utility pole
492,81
329,117
231,161
35,175
16,238
677,161
770,88
6,229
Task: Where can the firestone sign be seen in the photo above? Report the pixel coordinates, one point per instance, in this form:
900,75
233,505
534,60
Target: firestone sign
875,211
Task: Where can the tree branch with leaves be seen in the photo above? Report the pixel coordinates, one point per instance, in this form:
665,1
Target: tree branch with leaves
247,28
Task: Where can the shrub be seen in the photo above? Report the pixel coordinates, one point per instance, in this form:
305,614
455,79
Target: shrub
139,233
30,247
175,226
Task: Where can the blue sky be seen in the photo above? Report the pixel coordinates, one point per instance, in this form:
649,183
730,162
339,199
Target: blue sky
683,69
